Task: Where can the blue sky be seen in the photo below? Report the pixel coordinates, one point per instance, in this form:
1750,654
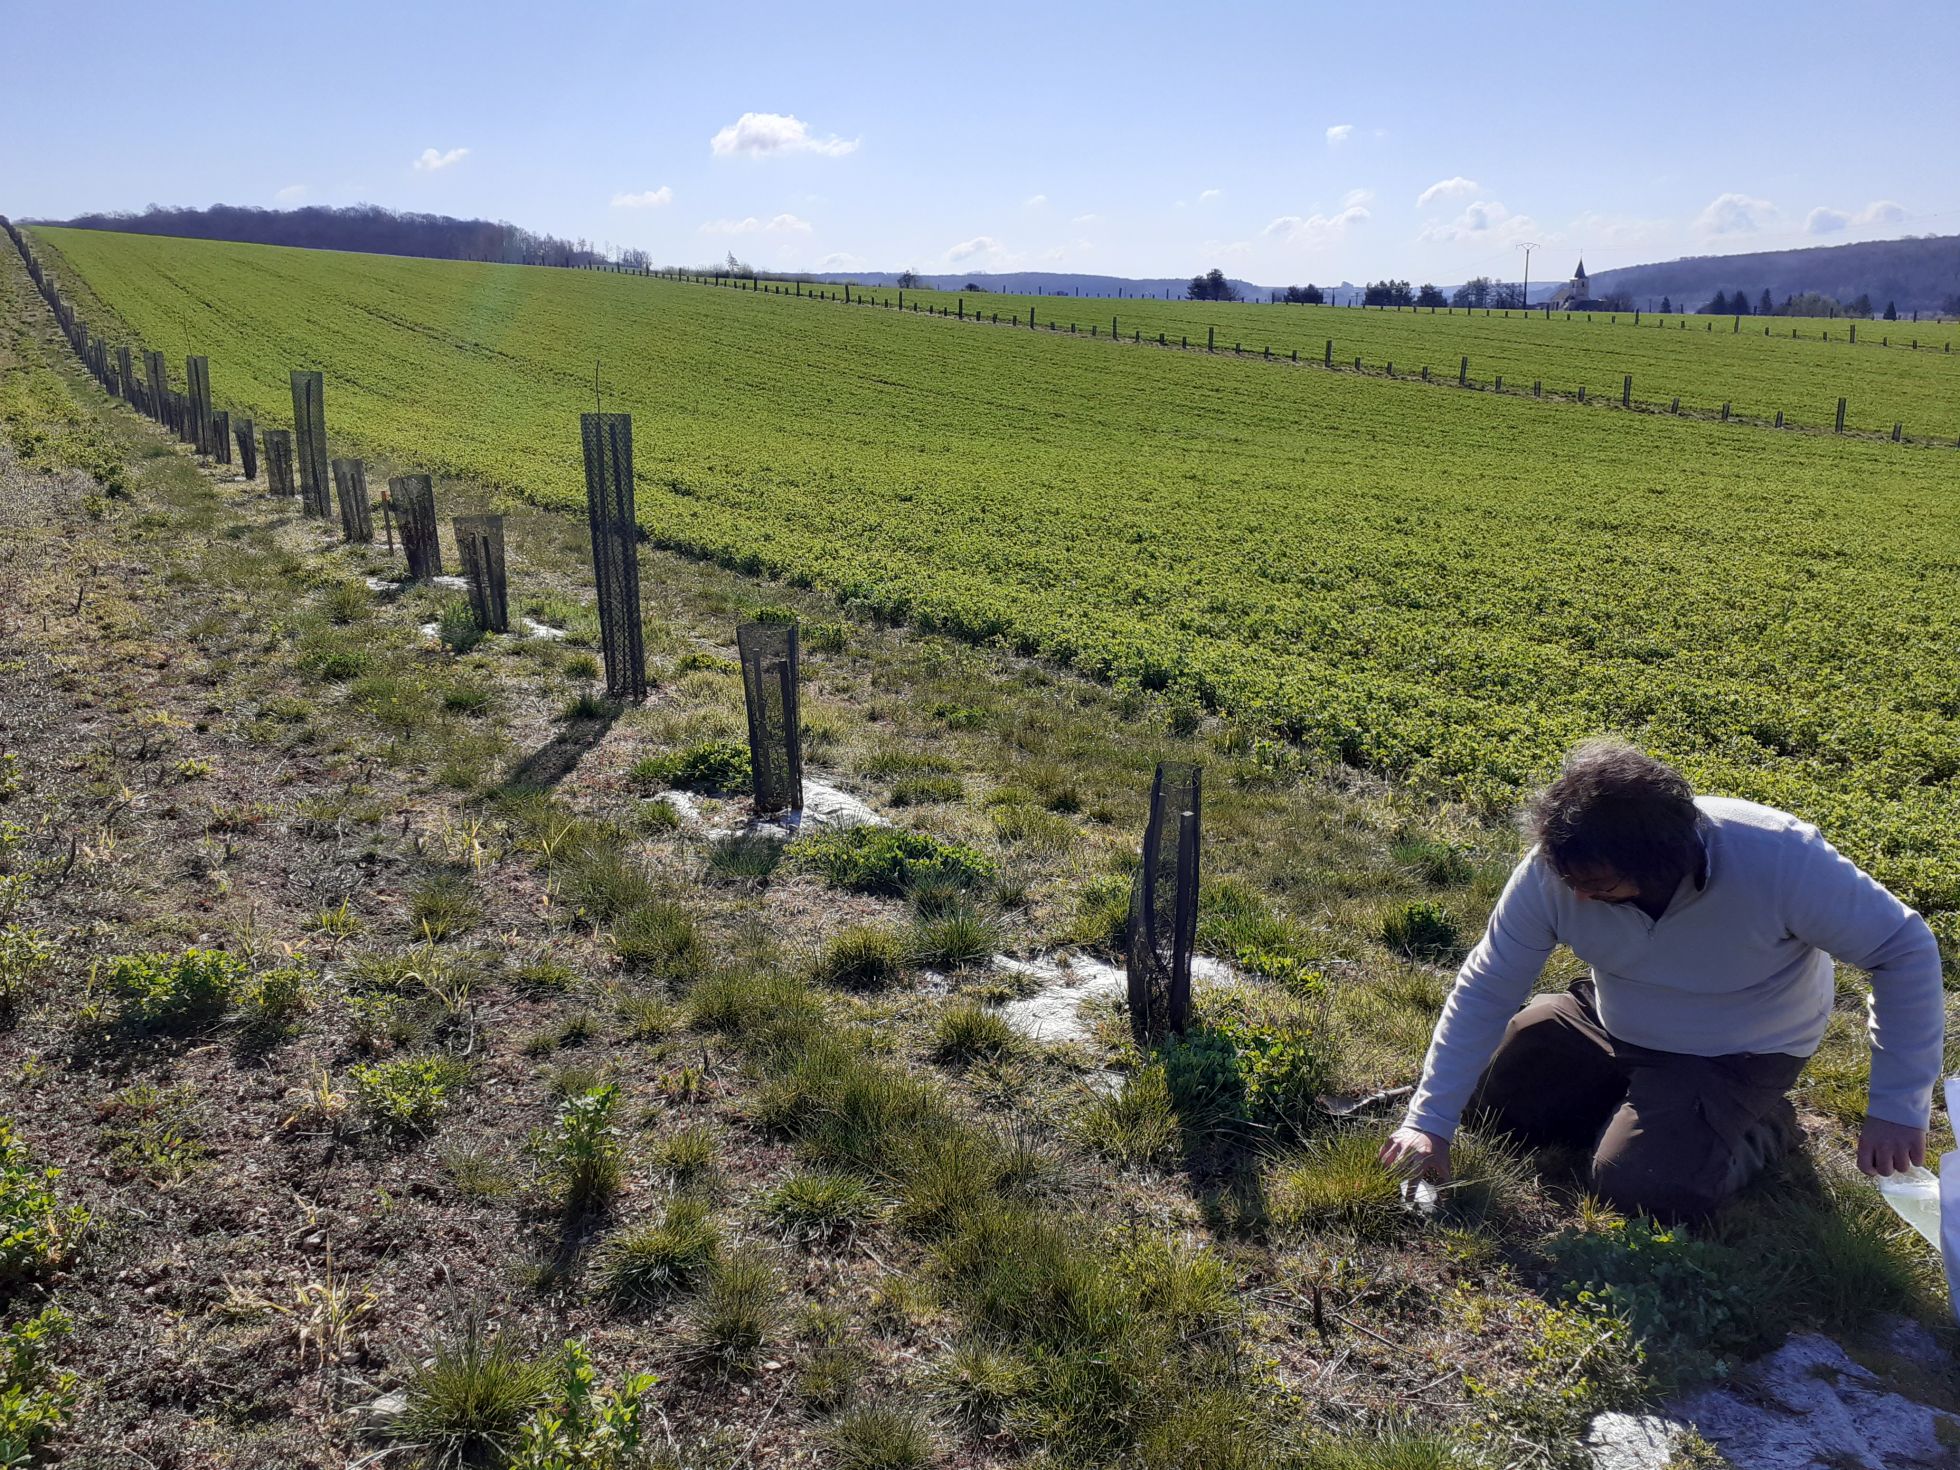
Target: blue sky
1282,142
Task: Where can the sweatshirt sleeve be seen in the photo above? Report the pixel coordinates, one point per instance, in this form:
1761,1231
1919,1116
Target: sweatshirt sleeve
1851,916
1493,982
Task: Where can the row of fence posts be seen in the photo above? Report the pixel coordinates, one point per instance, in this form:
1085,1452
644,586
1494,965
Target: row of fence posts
1162,922
958,310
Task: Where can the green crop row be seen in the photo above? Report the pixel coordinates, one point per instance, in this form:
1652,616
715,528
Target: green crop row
1754,363
1445,587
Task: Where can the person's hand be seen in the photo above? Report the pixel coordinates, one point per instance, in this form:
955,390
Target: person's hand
1889,1148
1417,1154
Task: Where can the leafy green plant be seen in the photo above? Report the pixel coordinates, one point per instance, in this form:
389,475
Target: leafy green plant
711,766
645,1263
37,1231
26,958
877,859
1694,1306
171,993
36,1399
410,1095
581,1152
152,1133
587,1425
272,1004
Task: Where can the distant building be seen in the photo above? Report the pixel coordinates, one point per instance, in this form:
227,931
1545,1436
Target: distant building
1575,294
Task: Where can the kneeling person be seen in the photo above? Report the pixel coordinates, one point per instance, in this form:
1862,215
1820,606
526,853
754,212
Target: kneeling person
1710,925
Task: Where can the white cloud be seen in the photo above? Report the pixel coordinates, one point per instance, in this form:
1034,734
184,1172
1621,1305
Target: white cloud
1735,214
291,194
1881,212
1357,198
840,260
1486,219
980,247
1034,201
1451,188
1315,229
431,160
782,224
1339,133
763,134
1207,195
1085,219
649,199
1822,221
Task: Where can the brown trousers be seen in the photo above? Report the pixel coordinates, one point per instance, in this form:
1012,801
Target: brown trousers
1671,1135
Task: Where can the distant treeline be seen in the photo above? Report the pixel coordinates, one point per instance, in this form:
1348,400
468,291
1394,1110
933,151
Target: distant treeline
362,227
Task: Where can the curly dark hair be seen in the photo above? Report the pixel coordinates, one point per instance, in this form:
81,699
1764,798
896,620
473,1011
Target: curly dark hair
1616,808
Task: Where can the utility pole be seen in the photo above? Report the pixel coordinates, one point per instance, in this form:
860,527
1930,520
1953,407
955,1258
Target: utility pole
1527,246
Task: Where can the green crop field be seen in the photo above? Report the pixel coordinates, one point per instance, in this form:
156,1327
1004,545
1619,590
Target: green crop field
1445,587
1704,361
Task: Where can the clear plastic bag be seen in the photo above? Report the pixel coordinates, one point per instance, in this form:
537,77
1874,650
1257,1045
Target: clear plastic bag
1930,1203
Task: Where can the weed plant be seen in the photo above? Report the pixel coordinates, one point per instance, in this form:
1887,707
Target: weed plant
37,1231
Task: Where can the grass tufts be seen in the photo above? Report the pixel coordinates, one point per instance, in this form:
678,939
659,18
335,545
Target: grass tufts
644,1264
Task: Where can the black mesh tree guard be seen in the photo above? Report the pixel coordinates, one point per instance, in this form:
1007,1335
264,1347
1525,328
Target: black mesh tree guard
221,435
279,462
159,386
414,497
310,441
248,448
480,544
197,373
769,686
350,489
608,441
1164,906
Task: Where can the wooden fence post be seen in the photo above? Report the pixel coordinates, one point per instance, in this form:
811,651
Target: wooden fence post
1463,372
1779,418
1898,432
1328,358
1725,412
1626,391
1840,418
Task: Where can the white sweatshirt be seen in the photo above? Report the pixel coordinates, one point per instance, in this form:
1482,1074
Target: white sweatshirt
1739,963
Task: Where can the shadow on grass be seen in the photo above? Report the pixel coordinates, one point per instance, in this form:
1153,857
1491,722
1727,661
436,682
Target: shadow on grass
556,759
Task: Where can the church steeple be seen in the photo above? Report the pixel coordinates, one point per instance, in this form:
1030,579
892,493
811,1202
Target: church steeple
1580,273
